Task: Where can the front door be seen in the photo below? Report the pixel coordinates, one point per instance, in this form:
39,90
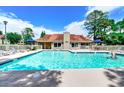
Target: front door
47,45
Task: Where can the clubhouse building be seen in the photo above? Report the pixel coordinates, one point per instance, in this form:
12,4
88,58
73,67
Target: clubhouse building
63,41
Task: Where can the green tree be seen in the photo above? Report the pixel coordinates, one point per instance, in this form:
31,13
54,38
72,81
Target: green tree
120,25
114,39
27,34
106,25
1,33
43,33
113,25
94,21
14,38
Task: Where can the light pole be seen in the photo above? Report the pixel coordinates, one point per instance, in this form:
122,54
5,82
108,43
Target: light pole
5,23
22,36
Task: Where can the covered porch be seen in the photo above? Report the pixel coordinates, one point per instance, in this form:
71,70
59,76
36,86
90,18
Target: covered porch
46,45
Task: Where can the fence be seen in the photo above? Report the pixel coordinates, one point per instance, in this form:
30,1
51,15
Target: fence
19,47
108,47
105,47
22,47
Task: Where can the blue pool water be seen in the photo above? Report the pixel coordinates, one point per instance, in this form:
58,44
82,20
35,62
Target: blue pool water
49,60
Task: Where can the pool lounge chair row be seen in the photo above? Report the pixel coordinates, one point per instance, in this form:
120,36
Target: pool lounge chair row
9,52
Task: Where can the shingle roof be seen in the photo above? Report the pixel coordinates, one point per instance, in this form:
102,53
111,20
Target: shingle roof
59,37
79,38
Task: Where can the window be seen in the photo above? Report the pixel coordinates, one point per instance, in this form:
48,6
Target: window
82,44
74,44
57,44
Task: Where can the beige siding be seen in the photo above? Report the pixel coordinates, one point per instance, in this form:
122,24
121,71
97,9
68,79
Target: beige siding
66,40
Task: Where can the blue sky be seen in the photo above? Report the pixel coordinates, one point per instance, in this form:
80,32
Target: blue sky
51,17
55,19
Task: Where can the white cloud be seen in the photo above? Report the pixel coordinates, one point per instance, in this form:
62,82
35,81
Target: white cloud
76,28
7,14
37,31
12,14
17,25
102,8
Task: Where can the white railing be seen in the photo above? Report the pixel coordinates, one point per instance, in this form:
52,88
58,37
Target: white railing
85,47
22,47
19,47
106,47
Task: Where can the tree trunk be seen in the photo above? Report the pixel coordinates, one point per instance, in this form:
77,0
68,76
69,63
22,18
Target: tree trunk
94,37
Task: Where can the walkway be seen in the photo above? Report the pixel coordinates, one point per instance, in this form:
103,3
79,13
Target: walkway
63,78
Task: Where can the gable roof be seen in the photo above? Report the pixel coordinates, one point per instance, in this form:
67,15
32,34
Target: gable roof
79,38
59,38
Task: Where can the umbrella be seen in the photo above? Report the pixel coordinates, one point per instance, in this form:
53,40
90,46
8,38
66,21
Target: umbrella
30,40
98,41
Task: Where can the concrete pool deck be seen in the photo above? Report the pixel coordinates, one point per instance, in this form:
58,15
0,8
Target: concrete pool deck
63,78
85,78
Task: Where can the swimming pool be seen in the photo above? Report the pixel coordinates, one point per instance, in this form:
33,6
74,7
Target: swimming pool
50,60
